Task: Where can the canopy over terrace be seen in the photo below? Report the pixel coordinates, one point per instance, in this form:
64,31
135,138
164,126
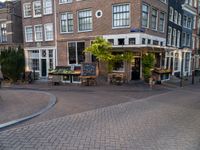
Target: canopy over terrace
143,48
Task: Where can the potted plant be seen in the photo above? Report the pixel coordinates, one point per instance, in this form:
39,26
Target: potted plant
148,62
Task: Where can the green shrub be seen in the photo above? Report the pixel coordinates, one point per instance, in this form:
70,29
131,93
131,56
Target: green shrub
12,63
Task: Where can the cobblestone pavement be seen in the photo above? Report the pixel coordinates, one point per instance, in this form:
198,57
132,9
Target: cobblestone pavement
169,121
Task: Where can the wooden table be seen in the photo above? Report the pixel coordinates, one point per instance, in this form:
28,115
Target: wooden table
88,80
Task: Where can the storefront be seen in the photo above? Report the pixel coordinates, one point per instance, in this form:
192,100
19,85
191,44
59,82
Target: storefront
40,60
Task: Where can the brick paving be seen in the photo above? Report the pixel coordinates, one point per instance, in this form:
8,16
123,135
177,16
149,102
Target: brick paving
169,121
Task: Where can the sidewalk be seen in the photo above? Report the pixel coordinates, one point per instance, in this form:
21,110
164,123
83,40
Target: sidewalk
17,104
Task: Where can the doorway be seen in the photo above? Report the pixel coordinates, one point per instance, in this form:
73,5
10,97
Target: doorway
44,67
135,66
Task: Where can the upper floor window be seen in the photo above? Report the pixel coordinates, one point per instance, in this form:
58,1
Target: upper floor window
27,9
47,7
175,17
179,19
154,17
169,36
48,30
37,9
29,34
185,21
189,23
85,20
162,22
38,33
171,13
145,16
66,23
65,1
3,33
121,15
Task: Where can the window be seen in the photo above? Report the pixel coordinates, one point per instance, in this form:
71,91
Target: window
176,61
154,16
65,1
75,52
66,23
85,20
188,40
184,39
29,34
27,10
194,22
189,23
162,22
178,38
171,14
143,41
187,60
3,33
185,21
33,61
47,7
174,37
121,41
155,42
175,17
179,19
169,36
121,15
149,41
38,33
132,41
37,9
145,16
48,30
111,41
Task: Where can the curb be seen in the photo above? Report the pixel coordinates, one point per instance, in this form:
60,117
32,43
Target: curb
51,103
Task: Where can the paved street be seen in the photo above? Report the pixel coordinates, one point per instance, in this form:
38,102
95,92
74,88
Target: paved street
168,121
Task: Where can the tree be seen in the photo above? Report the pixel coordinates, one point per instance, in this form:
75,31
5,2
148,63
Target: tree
102,50
148,62
12,63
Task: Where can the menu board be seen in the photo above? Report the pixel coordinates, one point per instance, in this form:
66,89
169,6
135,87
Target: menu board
88,69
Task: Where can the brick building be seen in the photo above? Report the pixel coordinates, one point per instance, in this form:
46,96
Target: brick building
10,24
138,26
39,35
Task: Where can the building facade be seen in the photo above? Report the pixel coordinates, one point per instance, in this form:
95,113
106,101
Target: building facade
10,24
138,26
39,36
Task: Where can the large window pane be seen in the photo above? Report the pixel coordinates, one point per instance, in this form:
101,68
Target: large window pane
121,15
85,20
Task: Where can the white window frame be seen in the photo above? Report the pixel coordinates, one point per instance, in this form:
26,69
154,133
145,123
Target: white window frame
24,10
163,30
39,25
171,10
67,23
175,17
78,20
169,39
26,33
148,13
45,12
65,1
34,15
178,38
113,27
51,39
179,19
156,19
